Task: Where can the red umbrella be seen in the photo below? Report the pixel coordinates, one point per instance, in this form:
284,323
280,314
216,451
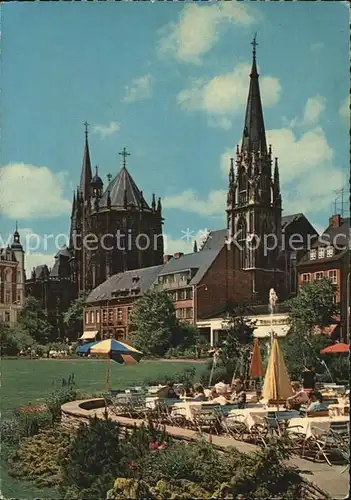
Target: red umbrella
336,348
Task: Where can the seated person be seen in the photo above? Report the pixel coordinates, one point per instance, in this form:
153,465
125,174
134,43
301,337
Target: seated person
199,393
221,388
239,395
214,394
187,392
299,397
171,393
316,405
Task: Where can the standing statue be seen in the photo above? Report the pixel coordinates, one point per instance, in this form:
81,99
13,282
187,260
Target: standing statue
273,298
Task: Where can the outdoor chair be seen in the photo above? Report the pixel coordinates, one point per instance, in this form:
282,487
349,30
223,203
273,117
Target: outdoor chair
260,432
163,413
334,441
178,419
206,418
234,427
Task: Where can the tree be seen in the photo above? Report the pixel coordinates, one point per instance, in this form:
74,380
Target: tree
73,318
234,353
34,321
313,306
14,339
153,323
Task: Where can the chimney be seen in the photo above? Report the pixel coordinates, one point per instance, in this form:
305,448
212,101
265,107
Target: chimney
178,255
335,220
166,258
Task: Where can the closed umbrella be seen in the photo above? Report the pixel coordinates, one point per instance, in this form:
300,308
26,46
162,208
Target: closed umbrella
277,386
117,351
339,347
256,368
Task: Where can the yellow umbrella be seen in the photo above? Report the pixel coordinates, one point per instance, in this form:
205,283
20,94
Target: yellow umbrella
277,386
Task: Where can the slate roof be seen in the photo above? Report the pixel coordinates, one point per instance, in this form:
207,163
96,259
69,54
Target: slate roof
41,272
121,184
340,236
198,261
64,252
288,219
124,281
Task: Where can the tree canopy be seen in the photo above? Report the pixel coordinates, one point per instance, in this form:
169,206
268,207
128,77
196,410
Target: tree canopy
73,318
34,321
153,323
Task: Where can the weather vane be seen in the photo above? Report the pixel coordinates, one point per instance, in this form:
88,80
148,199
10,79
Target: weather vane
86,125
254,44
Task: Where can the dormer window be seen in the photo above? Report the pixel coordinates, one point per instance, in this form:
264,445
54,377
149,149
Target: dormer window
313,254
330,251
321,253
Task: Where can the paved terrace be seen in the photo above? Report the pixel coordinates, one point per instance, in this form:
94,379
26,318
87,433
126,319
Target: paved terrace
328,479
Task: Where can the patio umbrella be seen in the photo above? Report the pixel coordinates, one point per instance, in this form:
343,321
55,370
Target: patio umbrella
256,368
117,351
84,348
340,347
277,384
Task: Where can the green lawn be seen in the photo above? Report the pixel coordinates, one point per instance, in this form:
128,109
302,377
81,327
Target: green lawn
26,381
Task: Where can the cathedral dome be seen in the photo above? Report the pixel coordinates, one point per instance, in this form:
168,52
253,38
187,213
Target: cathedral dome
96,181
123,191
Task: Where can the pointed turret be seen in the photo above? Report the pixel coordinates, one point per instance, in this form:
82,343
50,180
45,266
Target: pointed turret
85,176
231,173
73,204
153,202
254,136
159,205
16,244
276,181
195,246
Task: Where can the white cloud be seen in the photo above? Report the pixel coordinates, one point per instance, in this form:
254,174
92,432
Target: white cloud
182,244
314,108
190,201
198,29
106,130
29,191
139,89
344,110
226,94
34,259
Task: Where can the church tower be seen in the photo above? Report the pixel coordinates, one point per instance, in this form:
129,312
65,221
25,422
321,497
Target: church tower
112,230
254,205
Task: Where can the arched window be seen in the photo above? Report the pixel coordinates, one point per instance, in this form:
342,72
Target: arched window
241,235
8,275
242,185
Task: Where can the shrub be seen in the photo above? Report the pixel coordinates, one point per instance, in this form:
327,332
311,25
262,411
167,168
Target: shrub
31,419
57,399
185,377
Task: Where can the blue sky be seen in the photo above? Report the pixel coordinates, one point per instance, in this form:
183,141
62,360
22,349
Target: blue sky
169,81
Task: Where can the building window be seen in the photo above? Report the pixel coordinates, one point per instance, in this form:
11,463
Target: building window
92,317
7,317
306,278
86,318
104,316
119,315
7,298
18,299
110,315
332,275
19,277
319,275
313,254
97,316
330,251
321,253
8,275
129,310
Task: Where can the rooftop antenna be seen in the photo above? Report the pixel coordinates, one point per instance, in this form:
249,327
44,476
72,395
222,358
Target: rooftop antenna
339,201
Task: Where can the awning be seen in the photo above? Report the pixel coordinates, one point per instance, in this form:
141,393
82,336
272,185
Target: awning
89,335
326,330
265,331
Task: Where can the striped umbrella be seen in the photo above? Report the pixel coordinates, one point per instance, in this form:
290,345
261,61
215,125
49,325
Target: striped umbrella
117,351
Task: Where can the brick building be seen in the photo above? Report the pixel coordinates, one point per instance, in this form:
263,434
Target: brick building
330,257
12,280
199,284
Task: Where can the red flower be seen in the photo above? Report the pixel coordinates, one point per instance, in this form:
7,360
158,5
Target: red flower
163,446
133,465
153,446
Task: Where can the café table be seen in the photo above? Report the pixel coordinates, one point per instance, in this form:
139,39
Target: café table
250,416
313,426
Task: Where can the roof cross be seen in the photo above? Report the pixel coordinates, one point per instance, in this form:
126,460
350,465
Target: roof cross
124,153
254,44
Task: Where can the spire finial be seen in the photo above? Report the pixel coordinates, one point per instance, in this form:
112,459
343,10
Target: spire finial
254,45
109,177
96,170
86,125
16,226
124,153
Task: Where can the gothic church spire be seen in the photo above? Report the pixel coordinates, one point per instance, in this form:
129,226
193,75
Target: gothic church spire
254,136
85,176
